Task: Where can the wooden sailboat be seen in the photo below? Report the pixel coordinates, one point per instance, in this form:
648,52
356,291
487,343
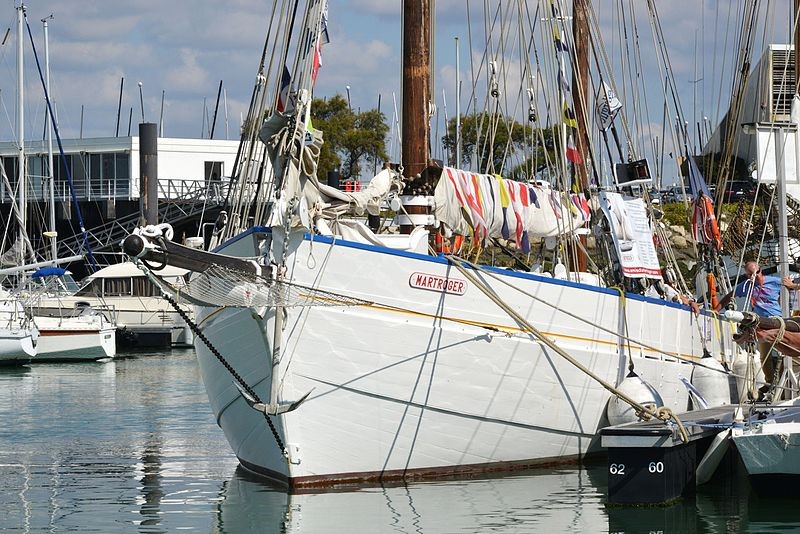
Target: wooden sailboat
334,355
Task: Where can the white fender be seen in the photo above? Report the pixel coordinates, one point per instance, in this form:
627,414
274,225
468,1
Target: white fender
711,380
633,386
744,367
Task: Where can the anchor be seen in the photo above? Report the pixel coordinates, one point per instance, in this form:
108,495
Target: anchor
271,408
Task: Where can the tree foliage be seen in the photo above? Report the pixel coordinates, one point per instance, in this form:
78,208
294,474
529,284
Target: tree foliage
498,140
351,138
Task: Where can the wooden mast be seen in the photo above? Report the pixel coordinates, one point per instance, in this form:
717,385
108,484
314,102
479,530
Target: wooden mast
416,85
580,86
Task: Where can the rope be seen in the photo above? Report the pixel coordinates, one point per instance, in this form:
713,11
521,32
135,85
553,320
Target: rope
662,413
586,321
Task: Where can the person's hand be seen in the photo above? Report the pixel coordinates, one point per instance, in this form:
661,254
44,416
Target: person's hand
767,335
695,308
787,282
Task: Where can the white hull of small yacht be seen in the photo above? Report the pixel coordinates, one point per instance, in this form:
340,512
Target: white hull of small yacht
432,382
769,445
145,316
74,340
17,346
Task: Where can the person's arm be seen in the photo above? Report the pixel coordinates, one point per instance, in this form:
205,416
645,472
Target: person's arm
789,344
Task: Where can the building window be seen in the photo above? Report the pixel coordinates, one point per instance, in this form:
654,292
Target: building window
122,179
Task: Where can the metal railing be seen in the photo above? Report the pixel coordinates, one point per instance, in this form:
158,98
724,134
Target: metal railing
176,203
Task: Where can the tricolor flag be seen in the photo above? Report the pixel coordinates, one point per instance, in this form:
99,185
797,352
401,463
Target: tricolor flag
573,154
607,107
284,105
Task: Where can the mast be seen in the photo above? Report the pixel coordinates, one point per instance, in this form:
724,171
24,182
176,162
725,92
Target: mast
21,183
51,176
458,105
416,85
580,86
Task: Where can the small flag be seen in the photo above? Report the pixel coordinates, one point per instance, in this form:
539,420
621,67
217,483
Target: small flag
505,200
317,63
560,45
607,106
573,154
569,116
562,80
284,105
323,30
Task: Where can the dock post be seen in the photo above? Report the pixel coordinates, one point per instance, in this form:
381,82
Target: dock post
148,172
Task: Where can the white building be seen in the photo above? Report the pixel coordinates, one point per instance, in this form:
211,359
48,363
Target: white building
107,168
766,106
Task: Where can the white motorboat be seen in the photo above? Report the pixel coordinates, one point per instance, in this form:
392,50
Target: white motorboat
142,317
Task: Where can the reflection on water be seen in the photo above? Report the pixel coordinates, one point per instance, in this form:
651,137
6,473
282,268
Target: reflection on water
559,500
131,446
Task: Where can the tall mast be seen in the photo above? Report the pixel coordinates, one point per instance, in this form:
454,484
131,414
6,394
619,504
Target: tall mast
580,86
416,85
21,185
51,175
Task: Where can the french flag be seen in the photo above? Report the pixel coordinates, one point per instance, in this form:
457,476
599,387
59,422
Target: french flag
573,154
283,95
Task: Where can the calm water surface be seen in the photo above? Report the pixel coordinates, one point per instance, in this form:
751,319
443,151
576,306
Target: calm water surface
131,446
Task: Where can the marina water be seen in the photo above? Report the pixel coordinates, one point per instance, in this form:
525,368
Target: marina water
131,446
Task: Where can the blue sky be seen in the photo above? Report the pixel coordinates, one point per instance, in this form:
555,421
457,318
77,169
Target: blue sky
185,47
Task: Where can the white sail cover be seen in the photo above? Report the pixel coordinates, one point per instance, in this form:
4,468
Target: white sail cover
494,207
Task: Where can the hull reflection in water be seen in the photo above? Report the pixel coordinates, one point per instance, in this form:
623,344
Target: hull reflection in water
559,500
543,500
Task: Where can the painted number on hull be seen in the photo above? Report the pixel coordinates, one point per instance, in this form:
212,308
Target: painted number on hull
656,467
432,282
616,469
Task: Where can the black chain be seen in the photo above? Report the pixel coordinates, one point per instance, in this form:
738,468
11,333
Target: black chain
228,366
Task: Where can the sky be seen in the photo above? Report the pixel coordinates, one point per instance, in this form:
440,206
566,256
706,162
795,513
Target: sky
183,48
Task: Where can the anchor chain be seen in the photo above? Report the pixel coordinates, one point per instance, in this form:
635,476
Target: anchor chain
196,329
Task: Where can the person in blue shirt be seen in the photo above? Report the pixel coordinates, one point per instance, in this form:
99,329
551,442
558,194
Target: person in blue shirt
764,298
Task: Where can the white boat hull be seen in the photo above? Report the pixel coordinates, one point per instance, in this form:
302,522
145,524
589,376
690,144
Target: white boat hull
136,314
17,346
75,339
424,382
771,449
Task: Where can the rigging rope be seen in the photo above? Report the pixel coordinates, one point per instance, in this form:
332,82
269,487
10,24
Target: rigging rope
663,413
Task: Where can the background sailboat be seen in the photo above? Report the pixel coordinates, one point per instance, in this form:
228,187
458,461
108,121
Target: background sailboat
79,333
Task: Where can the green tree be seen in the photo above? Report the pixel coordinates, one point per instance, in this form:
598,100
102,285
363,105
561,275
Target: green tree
498,140
351,138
